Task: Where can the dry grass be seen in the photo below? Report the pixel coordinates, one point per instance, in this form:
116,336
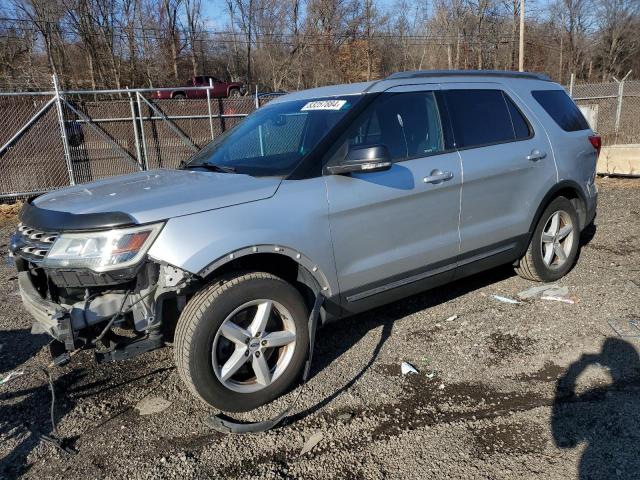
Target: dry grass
9,211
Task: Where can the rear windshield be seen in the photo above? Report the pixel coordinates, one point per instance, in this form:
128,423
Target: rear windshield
561,108
274,139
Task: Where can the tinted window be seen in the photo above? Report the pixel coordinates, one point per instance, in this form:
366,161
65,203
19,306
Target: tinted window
480,117
561,108
408,124
521,128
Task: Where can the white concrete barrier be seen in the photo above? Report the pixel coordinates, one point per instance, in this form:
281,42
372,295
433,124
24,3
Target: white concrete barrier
619,160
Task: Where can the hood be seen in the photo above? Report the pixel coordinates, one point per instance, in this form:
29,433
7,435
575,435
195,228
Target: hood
160,194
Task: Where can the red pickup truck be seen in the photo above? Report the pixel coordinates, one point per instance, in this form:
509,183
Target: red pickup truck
219,89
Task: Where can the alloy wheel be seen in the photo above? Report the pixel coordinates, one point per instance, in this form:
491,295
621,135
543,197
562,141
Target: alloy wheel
253,346
557,239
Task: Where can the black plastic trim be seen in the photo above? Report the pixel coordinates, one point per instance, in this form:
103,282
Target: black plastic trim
468,73
434,275
55,221
551,194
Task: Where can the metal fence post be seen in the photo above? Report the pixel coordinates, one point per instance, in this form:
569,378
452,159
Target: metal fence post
571,82
144,140
257,101
135,129
209,106
619,102
63,131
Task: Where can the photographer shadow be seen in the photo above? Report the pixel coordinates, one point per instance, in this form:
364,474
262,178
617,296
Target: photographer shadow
606,418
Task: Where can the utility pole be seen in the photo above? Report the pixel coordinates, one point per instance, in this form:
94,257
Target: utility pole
521,56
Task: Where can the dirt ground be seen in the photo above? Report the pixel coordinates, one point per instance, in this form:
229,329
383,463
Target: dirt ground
492,399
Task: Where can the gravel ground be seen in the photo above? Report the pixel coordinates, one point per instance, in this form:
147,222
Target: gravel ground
492,398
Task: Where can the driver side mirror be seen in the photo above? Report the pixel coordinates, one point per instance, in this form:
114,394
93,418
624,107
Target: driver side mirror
372,158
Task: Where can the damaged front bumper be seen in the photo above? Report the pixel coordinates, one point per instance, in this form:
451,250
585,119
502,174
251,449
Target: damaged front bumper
49,317
137,307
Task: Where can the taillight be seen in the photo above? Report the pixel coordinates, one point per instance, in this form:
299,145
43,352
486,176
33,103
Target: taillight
596,142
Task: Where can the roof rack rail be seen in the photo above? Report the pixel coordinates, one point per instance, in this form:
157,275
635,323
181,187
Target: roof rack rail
467,73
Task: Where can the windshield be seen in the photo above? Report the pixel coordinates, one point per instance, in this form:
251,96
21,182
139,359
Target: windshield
272,140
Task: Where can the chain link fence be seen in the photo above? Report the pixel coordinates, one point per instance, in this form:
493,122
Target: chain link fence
53,139
612,109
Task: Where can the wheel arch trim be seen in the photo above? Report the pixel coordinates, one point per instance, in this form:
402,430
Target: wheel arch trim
298,257
548,198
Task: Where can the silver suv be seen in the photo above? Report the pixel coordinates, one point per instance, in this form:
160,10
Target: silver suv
362,193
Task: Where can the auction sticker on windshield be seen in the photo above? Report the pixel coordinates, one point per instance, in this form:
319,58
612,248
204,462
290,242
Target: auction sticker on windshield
324,105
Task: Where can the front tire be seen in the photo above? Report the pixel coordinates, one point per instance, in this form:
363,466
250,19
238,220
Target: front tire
554,245
242,341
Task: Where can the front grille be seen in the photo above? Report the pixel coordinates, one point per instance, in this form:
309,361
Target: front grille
32,244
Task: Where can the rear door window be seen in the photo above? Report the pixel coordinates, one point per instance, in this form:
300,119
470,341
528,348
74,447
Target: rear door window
484,117
561,108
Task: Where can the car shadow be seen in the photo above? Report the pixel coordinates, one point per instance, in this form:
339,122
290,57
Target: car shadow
25,416
587,234
333,342
18,346
605,417
24,413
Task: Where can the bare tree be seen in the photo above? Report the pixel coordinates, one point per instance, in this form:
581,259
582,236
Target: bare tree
194,27
291,44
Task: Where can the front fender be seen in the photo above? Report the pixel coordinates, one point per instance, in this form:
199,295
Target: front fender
294,221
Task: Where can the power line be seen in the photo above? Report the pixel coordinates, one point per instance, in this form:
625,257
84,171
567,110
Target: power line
126,31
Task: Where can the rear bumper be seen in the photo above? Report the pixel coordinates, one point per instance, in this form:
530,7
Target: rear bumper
48,317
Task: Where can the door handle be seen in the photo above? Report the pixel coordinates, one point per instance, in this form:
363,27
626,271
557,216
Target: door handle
536,155
436,176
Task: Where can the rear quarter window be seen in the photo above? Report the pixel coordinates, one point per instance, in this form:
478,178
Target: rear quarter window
561,109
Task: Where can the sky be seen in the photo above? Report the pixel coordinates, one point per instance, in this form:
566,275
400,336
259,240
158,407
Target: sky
216,10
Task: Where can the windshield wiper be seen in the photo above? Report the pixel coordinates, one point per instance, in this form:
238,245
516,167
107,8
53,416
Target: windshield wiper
209,166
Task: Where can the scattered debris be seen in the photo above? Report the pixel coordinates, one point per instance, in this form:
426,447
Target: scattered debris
545,290
311,442
500,298
151,405
407,368
532,292
557,292
431,375
10,376
451,318
558,299
626,328
441,387
345,417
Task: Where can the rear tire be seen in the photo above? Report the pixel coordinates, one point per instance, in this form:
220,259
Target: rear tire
215,335
554,246
234,93
179,96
